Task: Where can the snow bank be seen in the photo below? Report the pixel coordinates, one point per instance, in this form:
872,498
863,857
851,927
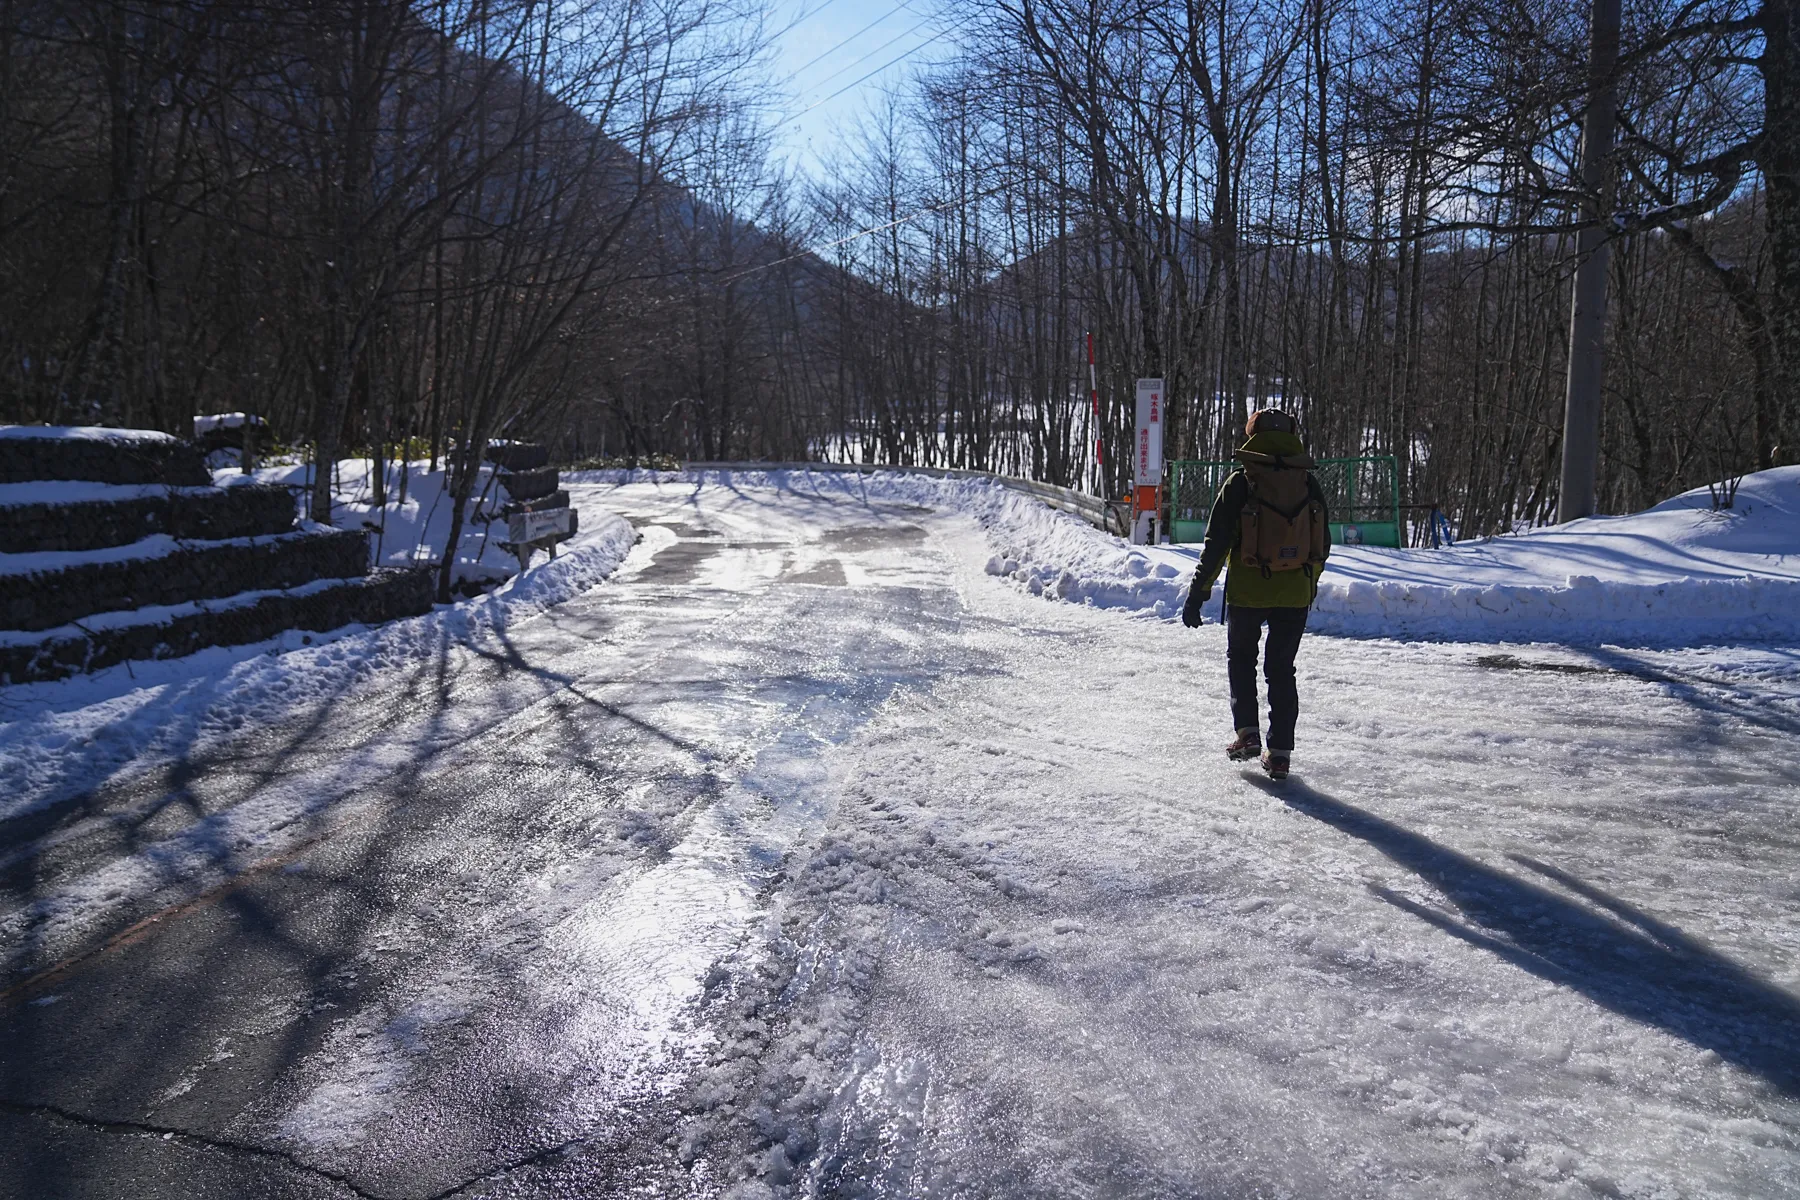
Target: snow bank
60,739
1677,574
412,533
1587,609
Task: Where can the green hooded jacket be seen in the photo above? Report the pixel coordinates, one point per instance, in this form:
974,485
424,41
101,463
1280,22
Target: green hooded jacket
1246,587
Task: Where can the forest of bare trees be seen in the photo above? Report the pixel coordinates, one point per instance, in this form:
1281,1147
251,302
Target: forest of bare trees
401,229
1367,213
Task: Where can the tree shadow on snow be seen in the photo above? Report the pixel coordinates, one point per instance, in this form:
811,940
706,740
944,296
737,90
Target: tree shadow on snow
1720,697
1617,955
210,1024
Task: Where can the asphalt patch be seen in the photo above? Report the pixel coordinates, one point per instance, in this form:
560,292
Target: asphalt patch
1511,662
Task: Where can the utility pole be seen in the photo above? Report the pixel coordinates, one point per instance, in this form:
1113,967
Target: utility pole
1587,324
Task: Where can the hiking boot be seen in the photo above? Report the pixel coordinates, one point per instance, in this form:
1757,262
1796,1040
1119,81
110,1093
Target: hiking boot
1276,764
1247,746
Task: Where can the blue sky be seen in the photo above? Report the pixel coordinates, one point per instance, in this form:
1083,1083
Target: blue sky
832,59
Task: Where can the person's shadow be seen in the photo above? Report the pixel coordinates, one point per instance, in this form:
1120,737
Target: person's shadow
1618,956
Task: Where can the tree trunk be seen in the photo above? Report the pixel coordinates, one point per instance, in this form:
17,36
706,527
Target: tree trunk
1587,321
1780,161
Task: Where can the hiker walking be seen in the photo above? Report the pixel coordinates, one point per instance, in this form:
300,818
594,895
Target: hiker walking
1271,521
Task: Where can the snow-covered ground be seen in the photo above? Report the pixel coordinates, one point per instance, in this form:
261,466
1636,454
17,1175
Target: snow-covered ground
411,532
899,880
1678,574
1527,922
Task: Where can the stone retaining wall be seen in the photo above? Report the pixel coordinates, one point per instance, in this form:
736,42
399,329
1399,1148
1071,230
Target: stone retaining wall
103,460
213,515
385,595
205,570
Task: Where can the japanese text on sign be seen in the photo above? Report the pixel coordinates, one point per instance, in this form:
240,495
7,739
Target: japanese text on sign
1149,433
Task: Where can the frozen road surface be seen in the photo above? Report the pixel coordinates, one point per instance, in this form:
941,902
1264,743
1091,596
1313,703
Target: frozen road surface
805,858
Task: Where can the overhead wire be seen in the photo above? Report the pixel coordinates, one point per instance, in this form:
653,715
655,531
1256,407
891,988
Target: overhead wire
797,71
806,16
865,78
866,55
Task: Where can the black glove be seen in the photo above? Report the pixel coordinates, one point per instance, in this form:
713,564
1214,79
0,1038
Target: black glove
1190,611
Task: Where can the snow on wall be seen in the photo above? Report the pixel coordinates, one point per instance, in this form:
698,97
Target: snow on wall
83,433
81,491
231,420
1677,574
157,545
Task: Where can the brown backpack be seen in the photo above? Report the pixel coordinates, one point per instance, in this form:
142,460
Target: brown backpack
1283,527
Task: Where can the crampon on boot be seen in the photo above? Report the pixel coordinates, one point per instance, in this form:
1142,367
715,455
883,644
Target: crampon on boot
1247,746
1276,765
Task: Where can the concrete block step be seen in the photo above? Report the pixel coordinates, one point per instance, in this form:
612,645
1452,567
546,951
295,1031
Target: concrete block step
127,456
62,515
173,631
43,590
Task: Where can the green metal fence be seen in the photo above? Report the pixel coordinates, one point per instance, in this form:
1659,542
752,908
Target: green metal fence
1364,495
1193,485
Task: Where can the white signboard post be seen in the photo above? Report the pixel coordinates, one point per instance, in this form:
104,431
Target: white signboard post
1148,465
525,530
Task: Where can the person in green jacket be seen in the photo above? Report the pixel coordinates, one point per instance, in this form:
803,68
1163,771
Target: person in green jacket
1256,596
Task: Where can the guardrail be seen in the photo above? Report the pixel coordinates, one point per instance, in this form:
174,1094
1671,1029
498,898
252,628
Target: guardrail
1091,509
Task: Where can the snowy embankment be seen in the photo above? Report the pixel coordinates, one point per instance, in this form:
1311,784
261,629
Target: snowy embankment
1677,574
59,739
409,532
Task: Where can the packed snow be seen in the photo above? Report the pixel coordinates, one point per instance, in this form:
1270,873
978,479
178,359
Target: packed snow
899,880
1522,925
1678,574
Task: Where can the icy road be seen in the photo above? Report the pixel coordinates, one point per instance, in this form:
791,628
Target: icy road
805,858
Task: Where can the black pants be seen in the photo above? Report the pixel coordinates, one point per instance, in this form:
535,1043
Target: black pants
1243,632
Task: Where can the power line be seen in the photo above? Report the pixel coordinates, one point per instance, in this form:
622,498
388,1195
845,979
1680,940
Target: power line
796,72
807,16
865,78
867,55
